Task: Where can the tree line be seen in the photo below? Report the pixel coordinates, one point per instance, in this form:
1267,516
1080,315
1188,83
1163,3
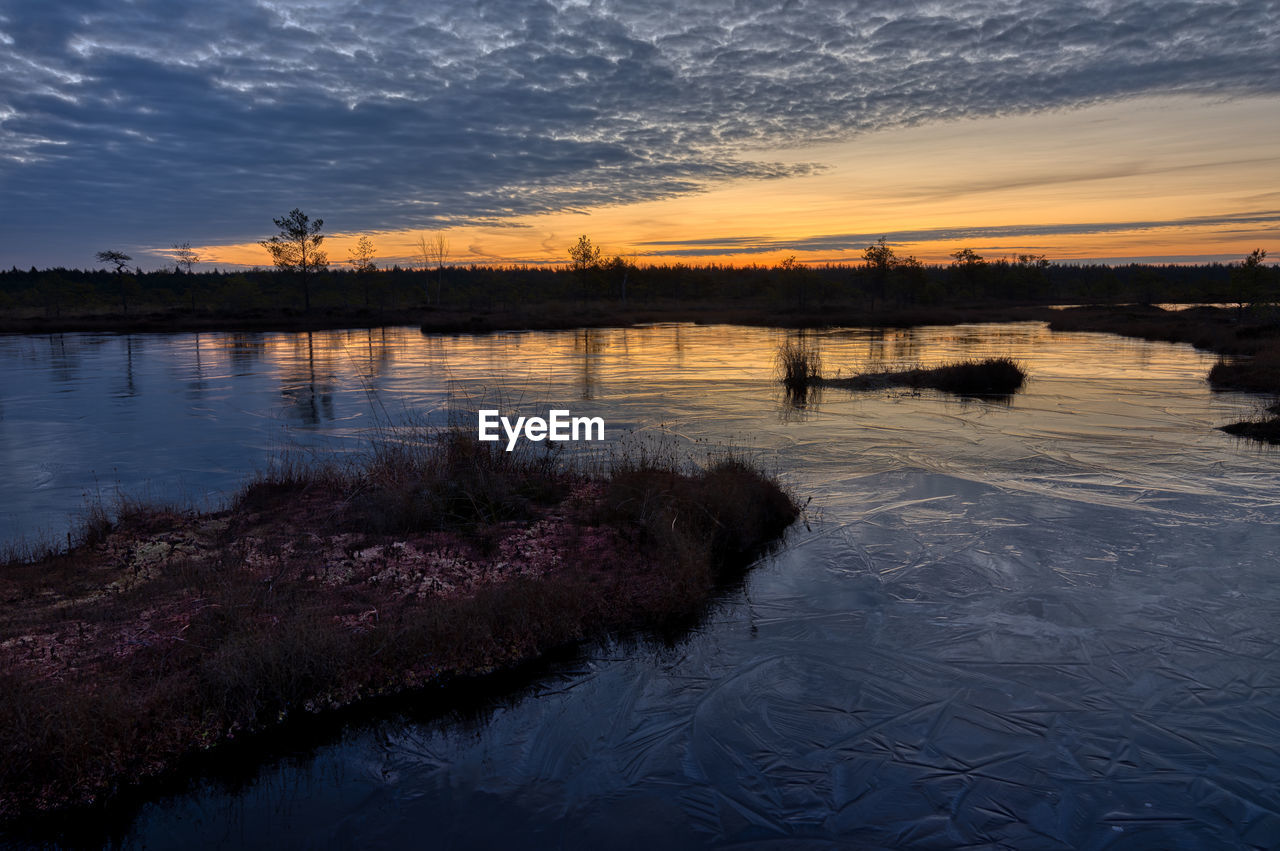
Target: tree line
302,278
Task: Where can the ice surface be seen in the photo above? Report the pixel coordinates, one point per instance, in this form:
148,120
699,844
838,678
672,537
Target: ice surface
1046,624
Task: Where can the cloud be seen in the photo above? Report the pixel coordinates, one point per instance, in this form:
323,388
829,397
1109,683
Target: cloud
149,122
859,241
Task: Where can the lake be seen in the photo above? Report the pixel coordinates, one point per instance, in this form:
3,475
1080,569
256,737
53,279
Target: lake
1042,623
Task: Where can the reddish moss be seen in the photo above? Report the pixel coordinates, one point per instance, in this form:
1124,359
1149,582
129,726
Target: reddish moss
168,633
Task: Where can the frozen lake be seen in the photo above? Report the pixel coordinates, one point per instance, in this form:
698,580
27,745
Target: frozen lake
1047,623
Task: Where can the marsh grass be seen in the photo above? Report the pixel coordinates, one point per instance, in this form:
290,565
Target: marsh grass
1266,430
801,372
799,363
1264,427
1000,376
165,633
1259,373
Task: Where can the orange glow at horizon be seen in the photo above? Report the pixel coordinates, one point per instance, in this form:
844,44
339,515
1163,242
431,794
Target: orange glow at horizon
1154,160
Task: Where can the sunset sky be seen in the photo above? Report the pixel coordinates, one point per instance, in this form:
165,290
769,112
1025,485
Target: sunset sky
733,132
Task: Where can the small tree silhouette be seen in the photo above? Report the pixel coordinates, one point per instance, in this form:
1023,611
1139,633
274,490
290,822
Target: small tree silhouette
970,268
584,258
185,256
121,261
438,248
1246,280
116,258
297,249
361,255
879,260
361,260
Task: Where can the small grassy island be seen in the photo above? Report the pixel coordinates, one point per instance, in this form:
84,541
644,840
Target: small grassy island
801,369
164,633
990,377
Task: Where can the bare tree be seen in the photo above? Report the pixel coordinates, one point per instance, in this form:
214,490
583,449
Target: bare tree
361,256
438,246
297,248
424,252
434,251
185,256
361,260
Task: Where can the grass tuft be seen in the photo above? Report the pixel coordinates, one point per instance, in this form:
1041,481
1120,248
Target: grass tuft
800,365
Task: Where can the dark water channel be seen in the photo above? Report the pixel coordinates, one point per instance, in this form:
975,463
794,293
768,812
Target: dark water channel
1052,623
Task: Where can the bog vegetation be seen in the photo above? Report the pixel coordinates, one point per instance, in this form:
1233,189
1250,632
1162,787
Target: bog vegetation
800,367
164,633
975,377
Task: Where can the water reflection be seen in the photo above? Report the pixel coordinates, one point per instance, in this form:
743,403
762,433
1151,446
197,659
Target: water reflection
378,354
307,390
63,359
191,414
244,350
588,345
130,389
195,381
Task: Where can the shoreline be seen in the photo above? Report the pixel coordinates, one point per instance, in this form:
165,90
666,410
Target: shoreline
1247,344
537,317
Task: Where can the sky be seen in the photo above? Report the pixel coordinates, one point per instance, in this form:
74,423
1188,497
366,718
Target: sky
732,132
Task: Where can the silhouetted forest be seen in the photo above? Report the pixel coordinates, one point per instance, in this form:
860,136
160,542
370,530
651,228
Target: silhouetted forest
53,293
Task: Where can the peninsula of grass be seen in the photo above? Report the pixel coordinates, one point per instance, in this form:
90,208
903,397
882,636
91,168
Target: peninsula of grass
165,633
990,377
1265,427
1248,342
800,367
1266,430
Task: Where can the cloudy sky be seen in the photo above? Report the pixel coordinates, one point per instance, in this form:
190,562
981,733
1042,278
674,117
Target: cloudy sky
734,131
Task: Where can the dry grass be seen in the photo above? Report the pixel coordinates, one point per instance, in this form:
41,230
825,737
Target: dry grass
990,377
1266,430
799,363
1257,374
167,633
